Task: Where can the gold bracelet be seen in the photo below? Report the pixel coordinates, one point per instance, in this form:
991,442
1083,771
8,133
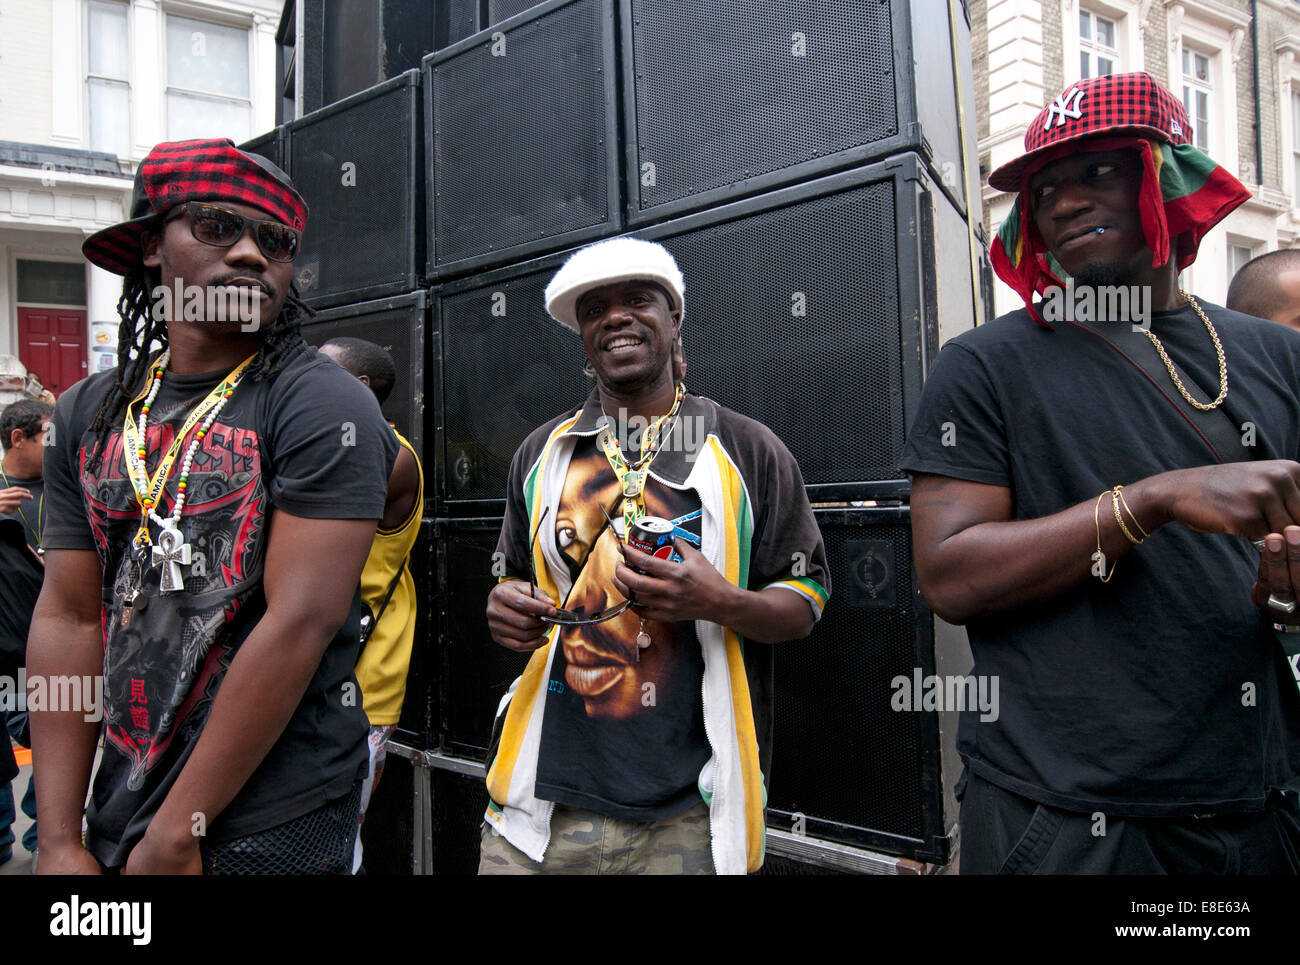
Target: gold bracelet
1101,557
1114,504
1119,491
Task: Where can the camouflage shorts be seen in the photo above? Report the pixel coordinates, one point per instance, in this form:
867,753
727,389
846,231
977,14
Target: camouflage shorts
586,843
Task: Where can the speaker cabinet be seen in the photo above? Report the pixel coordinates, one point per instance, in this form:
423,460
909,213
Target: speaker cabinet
360,166
476,670
397,325
271,145
522,138
389,832
459,800
847,766
735,97
814,309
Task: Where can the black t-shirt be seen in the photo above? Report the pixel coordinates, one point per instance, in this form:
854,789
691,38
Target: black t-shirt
30,512
1163,691
623,733
310,442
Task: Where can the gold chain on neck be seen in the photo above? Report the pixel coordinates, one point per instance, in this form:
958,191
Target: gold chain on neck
1218,348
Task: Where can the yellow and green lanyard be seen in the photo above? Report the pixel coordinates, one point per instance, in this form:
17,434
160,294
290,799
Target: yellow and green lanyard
149,491
633,478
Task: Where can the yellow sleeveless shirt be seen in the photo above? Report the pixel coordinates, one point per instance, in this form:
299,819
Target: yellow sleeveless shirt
381,670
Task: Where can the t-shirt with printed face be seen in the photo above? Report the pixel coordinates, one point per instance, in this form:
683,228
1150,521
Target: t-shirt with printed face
311,442
623,733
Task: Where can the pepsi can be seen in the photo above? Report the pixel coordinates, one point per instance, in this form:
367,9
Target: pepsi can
653,535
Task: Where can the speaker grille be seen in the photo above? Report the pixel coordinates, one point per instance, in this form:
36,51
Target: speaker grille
520,139
269,145
793,319
354,165
841,754
723,94
457,810
499,10
508,367
397,326
478,670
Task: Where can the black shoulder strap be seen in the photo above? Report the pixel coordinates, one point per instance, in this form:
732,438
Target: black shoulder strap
1215,427
365,633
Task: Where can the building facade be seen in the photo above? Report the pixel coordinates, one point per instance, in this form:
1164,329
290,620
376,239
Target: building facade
87,87
1234,63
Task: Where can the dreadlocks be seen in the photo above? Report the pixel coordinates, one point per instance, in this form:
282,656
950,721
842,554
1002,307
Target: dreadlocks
139,329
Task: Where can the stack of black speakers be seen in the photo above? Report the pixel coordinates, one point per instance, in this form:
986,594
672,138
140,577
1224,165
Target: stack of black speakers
812,167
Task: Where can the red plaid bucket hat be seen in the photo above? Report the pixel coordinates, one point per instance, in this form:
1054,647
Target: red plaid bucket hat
1184,193
182,171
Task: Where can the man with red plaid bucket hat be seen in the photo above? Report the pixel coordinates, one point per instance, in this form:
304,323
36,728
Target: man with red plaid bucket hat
1106,492
193,493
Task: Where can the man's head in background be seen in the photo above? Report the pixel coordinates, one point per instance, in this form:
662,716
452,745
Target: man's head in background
1269,287
23,425
366,360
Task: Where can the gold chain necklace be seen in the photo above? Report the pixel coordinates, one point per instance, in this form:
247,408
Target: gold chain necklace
1218,348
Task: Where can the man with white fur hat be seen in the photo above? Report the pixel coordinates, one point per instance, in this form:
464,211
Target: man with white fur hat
637,739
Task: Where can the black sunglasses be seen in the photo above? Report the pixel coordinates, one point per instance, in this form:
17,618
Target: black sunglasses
567,617
222,228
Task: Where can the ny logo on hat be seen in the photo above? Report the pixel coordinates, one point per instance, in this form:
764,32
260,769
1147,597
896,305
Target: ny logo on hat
1062,109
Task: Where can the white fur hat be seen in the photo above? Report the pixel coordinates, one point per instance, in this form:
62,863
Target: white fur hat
606,262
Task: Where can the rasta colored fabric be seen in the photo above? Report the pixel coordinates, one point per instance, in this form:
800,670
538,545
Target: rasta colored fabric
1184,193
181,171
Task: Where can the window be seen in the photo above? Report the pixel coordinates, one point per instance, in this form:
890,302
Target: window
1295,149
1238,255
1098,46
207,80
106,78
1196,95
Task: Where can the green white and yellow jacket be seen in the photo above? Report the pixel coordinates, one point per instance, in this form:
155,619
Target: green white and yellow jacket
758,531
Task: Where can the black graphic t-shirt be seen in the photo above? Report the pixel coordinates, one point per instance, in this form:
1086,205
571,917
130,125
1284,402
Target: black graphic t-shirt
30,512
623,733
310,442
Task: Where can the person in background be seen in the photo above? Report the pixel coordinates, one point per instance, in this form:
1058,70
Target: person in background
387,587
1269,287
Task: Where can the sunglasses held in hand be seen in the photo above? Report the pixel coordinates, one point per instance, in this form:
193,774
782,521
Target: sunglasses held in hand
222,228
566,617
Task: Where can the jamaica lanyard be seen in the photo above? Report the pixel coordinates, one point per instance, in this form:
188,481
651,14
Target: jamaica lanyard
633,478
149,491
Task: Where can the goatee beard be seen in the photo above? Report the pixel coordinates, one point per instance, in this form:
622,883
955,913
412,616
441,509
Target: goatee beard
1100,275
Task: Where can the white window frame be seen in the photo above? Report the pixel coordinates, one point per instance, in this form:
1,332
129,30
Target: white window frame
87,76
1093,47
1217,31
1127,16
1252,245
218,18
1193,85
1288,76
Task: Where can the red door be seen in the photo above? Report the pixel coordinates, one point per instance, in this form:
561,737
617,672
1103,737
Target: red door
52,343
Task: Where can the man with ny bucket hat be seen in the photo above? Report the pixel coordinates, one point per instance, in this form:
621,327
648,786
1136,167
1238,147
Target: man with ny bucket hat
636,740
193,495
1109,503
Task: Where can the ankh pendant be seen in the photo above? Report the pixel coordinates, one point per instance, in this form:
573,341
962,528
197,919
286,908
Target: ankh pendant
171,552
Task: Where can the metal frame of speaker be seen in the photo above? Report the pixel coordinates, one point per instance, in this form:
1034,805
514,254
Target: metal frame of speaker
867,775
406,271
505,248
922,54
928,311
273,145
352,320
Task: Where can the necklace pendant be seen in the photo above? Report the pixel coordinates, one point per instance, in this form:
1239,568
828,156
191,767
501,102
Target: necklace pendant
642,640
633,482
170,554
